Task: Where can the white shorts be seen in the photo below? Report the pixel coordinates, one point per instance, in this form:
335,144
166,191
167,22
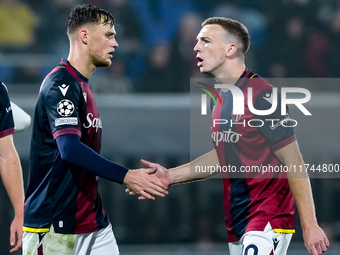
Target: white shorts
101,242
265,242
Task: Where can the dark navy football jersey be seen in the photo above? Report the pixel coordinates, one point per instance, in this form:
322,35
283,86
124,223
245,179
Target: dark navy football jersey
6,115
252,199
61,193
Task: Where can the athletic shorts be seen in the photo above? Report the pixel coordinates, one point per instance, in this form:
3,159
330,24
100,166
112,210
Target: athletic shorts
101,242
265,242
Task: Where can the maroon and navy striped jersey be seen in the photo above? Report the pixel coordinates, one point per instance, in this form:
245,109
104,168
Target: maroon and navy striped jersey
60,193
252,199
6,115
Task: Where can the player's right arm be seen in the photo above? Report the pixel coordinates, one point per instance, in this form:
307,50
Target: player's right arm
183,173
140,181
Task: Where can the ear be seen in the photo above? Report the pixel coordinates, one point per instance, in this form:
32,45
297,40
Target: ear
231,49
83,35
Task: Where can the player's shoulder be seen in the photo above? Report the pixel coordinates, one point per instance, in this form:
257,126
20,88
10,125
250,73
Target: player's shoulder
3,87
259,83
3,91
58,77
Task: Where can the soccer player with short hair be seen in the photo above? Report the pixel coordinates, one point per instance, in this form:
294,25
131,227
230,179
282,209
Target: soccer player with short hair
259,212
10,168
63,209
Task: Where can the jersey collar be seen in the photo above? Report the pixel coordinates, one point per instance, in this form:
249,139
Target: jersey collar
74,72
244,78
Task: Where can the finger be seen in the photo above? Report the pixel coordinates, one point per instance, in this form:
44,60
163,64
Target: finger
12,237
147,163
147,195
318,248
326,241
154,192
141,198
158,187
130,192
161,187
323,247
17,246
154,180
312,250
151,170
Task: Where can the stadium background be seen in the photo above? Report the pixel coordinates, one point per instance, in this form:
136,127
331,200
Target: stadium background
145,103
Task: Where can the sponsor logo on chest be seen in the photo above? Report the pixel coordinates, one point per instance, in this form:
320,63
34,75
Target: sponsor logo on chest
93,122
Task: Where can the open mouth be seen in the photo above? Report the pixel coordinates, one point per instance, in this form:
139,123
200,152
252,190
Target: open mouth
200,60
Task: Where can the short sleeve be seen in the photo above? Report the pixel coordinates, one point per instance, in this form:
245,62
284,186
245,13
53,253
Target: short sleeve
6,115
63,103
276,128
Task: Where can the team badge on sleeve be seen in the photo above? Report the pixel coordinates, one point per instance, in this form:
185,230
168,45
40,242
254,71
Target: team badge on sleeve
65,108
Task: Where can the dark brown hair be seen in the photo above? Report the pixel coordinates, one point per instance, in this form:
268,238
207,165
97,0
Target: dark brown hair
86,13
235,31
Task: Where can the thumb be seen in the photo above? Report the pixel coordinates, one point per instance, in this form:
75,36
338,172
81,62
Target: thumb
148,163
151,170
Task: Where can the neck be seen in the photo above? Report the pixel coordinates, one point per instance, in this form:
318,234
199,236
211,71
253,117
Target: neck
80,61
232,70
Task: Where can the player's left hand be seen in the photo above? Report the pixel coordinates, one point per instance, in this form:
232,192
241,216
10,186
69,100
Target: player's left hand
16,234
315,239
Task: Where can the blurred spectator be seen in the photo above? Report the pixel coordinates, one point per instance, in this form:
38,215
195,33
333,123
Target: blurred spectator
129,34
183,57
112,79
17,22
333,49
287,48
158,76
51,36
160,18
127,24
316,55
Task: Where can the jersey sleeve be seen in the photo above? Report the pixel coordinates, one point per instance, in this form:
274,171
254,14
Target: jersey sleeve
63,103
277,129
6,115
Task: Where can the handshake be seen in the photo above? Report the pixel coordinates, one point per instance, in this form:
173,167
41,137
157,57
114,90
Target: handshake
148,182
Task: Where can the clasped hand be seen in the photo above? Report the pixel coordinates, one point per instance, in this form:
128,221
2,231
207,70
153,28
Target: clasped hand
150,182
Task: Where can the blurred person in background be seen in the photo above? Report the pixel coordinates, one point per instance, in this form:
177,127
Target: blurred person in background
18,23
114,74
129,34
182,57
51,37
10,168
63,211
158,75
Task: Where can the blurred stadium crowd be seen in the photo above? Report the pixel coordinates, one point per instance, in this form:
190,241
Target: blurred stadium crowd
289,38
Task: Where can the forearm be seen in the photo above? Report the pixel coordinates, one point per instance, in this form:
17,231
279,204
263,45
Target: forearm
75,152
299,183
11,174
188,172
302,193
